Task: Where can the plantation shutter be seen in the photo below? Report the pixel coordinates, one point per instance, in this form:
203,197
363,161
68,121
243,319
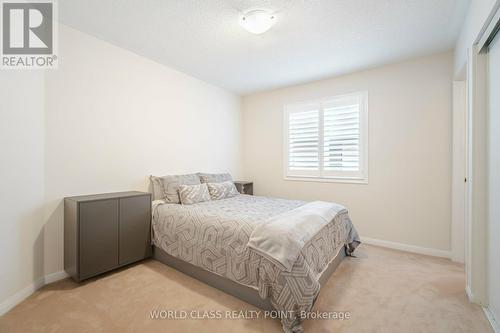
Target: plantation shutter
303,140
341,137
328,139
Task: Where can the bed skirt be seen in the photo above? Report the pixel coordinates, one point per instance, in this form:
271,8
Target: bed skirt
245,293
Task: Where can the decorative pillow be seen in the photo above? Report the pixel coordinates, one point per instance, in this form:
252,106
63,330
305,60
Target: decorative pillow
167,187
191,194
214,177
222,190
156,187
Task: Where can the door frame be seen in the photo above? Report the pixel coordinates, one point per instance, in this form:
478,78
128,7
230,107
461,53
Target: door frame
476,218
459,171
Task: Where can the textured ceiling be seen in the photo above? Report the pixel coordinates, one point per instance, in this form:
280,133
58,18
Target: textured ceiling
312,39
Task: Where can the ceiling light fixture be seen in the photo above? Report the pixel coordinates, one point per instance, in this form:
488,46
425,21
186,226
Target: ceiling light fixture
258,21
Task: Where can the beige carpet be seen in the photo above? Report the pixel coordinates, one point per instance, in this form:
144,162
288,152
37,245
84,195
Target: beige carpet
384,290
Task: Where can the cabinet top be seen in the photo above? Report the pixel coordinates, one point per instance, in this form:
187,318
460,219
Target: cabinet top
242,182
104,196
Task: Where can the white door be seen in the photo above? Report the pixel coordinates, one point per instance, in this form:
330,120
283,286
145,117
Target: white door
494,176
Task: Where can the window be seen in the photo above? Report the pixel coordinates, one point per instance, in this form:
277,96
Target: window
328,139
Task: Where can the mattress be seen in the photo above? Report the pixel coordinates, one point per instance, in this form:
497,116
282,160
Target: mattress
213,235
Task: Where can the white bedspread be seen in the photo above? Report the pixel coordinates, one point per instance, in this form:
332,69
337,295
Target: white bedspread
281,238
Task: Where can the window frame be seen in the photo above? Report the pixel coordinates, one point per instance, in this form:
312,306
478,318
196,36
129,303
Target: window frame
359,177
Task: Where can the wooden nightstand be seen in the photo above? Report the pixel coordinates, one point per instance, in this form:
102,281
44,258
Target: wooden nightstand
244,187
105,231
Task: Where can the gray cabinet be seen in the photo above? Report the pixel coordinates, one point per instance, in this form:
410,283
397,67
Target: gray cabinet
99,225
105,231
135,235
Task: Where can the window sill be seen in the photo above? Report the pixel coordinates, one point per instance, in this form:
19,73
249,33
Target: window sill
327,180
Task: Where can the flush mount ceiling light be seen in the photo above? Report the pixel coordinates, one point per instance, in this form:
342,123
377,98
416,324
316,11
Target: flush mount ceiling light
258,21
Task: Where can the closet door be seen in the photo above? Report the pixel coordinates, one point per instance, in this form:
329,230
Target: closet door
494,174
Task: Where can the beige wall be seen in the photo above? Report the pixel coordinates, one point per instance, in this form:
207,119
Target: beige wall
407,199
103,121
22,185
113,118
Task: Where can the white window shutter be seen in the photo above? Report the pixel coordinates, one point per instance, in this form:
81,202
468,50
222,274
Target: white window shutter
341,138
303,140
328,139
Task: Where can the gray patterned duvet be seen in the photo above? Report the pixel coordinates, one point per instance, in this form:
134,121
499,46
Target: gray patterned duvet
214,235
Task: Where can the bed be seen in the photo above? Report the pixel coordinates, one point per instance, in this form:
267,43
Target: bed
209,241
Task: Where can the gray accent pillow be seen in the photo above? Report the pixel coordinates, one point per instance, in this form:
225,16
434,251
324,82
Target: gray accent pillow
214,177
156,187
222,190
191,194
167,187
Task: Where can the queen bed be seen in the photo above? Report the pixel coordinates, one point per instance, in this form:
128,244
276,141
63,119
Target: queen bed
233,242
229,244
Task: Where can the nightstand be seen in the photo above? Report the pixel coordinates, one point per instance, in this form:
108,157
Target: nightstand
244,187
105,231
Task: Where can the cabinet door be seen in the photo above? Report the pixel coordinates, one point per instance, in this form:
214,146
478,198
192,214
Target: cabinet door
135,228
98,237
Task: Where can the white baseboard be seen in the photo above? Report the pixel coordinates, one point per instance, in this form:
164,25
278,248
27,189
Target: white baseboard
21,295
491,318
53,277
407,248
469,293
